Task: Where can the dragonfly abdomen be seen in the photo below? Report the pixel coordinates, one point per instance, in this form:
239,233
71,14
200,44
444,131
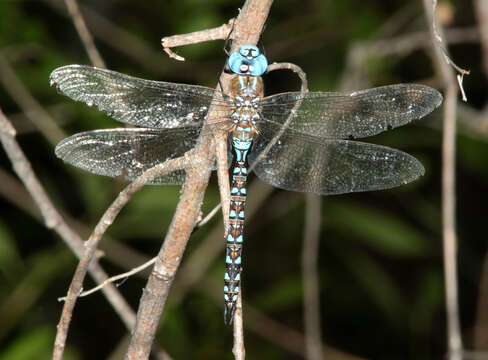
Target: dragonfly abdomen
233,253
246,94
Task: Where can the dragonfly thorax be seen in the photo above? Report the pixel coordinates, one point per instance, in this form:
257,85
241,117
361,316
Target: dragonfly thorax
246,94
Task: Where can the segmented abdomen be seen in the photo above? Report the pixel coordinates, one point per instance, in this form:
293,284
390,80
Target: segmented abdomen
246,93
233,253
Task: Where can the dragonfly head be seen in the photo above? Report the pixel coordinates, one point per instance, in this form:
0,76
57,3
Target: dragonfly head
248,61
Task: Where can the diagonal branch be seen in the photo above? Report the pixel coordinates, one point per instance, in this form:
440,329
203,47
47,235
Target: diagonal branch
85,36
54,220
92,244
248,27
29,105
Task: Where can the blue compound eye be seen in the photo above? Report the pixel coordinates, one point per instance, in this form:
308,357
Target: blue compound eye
248,61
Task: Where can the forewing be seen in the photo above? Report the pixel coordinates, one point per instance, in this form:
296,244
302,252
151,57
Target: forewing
135,101
358,114
328,166
127,152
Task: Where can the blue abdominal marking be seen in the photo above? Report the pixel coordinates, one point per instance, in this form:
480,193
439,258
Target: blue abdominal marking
311,134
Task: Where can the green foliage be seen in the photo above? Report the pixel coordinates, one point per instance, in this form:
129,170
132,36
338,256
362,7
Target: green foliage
472,155
380,230
281,295
11,262
380,255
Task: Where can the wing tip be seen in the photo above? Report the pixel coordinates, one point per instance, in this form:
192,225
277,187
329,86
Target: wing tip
58,74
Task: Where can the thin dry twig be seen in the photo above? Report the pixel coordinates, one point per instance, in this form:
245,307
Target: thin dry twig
248,27
275,332
209,249
92,244
438,38
209,216
238,349
481,11
223,177
84,33
219,33
310,277
117,38
301,74
448,186
54,221
272,67
112,279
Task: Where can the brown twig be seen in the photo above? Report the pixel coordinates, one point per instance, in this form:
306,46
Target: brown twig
92,244
304,88
454,340
248,25
238,349
85,35
225,198
310,277
481,11
113,279
275,332
14,192
54,221
223,177
219,33
208,250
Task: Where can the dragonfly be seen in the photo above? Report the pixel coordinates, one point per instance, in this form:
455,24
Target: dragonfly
294,140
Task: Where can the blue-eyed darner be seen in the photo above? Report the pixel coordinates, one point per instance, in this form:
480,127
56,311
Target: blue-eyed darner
309,133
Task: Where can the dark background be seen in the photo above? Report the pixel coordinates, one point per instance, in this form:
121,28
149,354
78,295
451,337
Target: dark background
380,262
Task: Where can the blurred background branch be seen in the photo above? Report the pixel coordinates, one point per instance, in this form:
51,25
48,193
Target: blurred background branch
379,260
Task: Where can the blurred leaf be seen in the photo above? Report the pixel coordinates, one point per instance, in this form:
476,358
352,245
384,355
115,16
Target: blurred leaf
376,282
473,154
42,271
382,231
11,263
13,19
429,298
281,294
148,213
35,344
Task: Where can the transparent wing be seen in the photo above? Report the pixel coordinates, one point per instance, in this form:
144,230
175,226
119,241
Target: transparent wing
327,166
127,152
135,101
358,114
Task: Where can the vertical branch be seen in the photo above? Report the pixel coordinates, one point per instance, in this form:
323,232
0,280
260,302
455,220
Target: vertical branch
310,278
481,10
481,323
249,23
238,349
448,185
313,342
92,244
